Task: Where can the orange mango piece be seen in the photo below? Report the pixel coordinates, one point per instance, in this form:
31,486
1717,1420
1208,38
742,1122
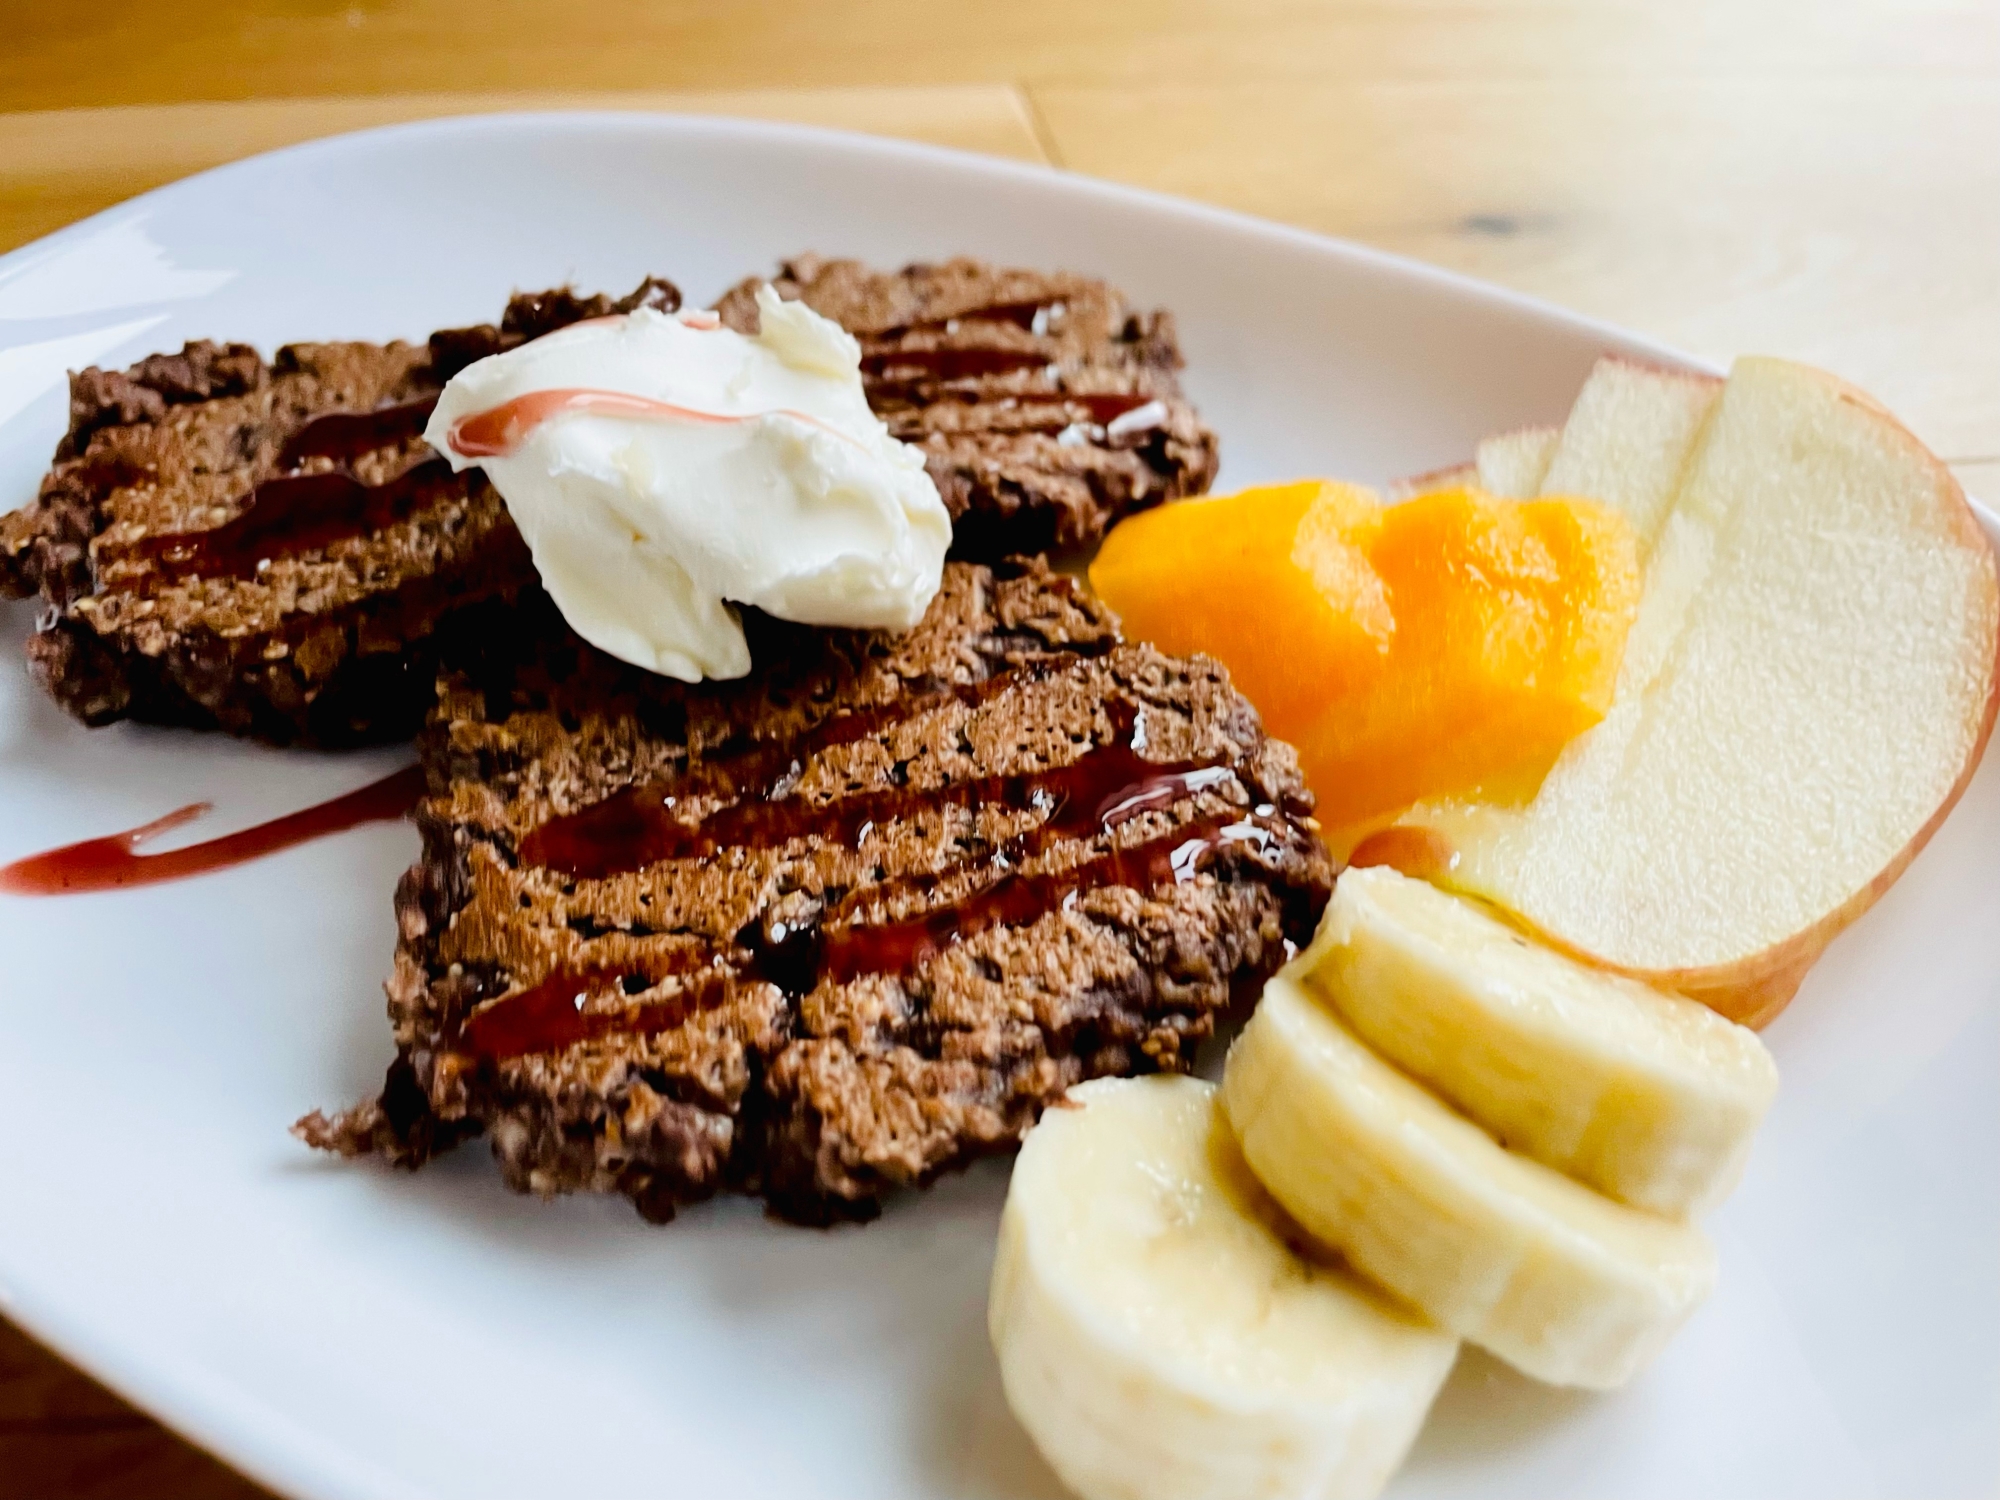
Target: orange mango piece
1448,645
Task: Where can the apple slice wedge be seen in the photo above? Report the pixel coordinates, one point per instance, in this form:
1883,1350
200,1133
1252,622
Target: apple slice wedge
1625,443
1511,464
1628,439
1806,692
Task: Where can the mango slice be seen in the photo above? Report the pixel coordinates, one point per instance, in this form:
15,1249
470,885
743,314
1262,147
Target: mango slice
1448,645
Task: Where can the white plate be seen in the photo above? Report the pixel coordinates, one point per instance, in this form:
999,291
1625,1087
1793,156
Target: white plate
341,1331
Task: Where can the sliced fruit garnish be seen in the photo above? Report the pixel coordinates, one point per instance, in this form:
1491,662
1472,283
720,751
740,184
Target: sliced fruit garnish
1628,438
1160,1337
1513,464
1559,1281
1449,645
1648,1097
1806,692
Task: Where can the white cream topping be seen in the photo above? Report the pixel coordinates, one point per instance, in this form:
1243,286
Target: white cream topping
647,518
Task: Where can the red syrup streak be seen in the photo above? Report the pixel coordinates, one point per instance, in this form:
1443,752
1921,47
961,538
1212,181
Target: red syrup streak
1102,788
848,953
1105,787
292,513
349,434
113,862
1105,407
499,431
951,363
550,1016
612,836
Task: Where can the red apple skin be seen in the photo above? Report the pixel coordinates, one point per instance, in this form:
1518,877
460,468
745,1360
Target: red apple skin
1458,476
1752,991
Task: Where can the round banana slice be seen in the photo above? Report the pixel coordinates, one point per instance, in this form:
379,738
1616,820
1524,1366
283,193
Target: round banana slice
1158,1336
1560,1282
1648,1097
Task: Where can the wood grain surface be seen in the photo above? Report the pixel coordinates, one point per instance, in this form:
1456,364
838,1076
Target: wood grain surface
56,166
1814,179
1818,180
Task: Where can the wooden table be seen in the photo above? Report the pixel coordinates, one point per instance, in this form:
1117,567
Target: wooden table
1817,178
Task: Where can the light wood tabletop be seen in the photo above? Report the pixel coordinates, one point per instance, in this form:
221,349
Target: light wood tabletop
1815,178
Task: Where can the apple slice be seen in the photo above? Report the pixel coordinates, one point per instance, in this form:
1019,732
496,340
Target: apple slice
1457,477
1625,443
1511,464
1628,439
1805,694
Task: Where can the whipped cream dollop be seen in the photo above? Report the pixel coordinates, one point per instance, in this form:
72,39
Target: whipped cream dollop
661,466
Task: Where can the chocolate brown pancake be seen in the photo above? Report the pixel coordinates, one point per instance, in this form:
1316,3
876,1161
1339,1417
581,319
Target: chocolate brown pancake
836,928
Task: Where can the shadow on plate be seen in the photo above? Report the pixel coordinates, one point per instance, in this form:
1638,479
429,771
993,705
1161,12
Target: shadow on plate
976,1449
1487,1408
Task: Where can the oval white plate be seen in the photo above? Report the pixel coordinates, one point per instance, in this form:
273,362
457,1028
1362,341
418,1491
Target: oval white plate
341,1331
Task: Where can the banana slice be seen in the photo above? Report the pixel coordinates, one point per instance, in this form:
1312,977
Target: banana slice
1563,1284
1159,1338
1648,1097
